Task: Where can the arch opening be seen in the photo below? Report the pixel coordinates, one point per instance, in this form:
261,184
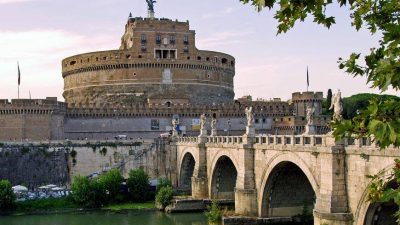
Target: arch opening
224,179
382,213
288,193
187,169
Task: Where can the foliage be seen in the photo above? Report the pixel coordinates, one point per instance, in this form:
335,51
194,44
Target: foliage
7,196
138,184
45,204
164,196
381,66
1,144
214,214
103,151
356,103
73,154
111,181
88,193
163,182
24,150
329,98
130,206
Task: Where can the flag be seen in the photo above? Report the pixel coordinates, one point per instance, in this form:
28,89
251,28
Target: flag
19,75
308,79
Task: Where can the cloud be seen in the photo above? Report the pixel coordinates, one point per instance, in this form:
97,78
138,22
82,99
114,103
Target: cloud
13,1
222,13
39,53
223,38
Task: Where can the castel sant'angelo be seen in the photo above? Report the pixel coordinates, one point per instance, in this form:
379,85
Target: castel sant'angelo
157,75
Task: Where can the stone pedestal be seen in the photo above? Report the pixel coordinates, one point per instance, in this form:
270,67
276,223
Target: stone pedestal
250,131
150,14
246,202
203,132
199,188
310,129
333,218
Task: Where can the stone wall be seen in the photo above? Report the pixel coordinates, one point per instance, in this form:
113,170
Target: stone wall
34,166
36,163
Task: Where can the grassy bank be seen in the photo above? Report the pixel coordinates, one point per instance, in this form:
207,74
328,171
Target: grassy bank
130,206
66,205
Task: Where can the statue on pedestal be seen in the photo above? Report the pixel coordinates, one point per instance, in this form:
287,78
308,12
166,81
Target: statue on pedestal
213,127
337,106
249,116
250,129
203,129
310,115
175,124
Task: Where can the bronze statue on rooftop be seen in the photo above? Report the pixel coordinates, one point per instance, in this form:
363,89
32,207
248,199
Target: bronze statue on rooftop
150,5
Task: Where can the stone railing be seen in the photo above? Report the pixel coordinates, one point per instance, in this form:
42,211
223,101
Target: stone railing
299,140
188,139
225,139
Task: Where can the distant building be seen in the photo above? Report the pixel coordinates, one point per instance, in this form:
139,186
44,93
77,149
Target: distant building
156,75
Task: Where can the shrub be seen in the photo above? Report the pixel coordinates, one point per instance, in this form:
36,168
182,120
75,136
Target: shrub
7,196
138,184
163,182
164,196
214,214
111,181
88,193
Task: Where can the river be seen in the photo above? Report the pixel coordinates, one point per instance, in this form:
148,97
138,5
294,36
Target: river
139,217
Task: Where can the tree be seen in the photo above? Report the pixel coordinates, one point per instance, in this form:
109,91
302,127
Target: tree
329,98
88,193
111,181
138,184
381,118
7,196
164,196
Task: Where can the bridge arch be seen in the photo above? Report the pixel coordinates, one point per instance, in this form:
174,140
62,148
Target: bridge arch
187,159
223,175
368,213
283,172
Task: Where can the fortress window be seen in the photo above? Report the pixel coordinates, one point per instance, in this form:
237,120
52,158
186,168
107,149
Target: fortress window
134,74
105,58
128,56
216,59
158,39
185,40
140,56
143,48
224,61
208,59
232,63
186,49
172,39
143,38
72,63
208,75
198,57
188,58
165,53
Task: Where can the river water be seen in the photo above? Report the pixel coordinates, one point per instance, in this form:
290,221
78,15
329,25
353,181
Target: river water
139,217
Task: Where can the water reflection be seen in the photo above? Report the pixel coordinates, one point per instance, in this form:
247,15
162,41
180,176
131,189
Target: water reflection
108,218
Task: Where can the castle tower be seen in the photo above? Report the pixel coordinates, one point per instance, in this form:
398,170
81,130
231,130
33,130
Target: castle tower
304,99
157,63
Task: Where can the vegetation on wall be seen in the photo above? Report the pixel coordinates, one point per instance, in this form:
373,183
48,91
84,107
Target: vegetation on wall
138,184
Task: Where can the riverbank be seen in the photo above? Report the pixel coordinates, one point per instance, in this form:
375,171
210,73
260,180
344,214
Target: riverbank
64,205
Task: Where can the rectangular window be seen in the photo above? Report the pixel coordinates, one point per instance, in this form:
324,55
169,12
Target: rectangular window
165,53
172,39
186,40
186,49
143,38
158,39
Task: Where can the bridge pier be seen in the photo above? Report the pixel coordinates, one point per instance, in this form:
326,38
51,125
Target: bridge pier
332,203
199,178
245,191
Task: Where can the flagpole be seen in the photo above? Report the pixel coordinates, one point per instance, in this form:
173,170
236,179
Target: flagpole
308,81
19,77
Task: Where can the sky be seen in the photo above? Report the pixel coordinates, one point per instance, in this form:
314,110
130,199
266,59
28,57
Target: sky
40,33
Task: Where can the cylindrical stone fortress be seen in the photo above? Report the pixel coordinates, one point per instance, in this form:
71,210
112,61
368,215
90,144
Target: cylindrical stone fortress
158,63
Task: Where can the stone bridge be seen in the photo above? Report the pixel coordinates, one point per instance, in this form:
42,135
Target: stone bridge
284,176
